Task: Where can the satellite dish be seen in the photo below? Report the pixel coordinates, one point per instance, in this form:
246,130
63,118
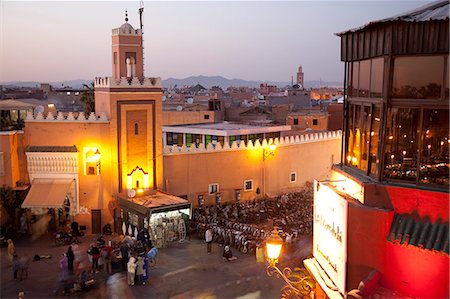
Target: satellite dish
131,193
190,100
39,109
179,108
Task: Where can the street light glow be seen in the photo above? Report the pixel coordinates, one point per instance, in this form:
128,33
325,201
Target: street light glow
273,246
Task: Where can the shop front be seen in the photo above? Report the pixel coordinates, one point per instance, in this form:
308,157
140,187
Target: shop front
166,217
53,198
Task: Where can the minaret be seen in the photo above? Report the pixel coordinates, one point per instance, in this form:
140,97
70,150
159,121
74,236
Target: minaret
300,76
132,104
127,60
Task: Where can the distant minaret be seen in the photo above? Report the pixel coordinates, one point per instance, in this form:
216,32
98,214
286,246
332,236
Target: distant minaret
300,76
292,80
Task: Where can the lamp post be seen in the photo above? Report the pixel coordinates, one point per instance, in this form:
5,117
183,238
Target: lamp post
298,283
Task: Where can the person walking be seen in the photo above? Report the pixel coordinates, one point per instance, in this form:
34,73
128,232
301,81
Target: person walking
106,256
15,265
94,252
77,259
140,270
70,258
131,270
124,251
64,268
11,251
208,239
75,230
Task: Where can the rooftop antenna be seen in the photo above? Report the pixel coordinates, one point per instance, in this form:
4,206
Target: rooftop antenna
141,23
141,14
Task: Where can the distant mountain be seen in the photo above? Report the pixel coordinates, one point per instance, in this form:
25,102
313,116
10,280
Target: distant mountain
206,81
209,81
58,84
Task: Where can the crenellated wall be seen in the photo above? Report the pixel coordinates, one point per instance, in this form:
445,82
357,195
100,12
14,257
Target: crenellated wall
70,117
108,82
189,171
282,141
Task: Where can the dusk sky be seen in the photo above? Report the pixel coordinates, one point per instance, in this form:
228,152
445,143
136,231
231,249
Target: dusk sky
253,40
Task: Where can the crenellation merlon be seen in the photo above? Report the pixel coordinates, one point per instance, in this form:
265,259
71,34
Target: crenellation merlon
109,82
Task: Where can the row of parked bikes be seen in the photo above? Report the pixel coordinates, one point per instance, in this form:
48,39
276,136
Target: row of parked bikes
246,225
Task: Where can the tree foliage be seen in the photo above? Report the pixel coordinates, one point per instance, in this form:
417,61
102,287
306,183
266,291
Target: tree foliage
88,98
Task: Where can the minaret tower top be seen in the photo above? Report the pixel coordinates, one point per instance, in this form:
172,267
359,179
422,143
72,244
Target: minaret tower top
127,52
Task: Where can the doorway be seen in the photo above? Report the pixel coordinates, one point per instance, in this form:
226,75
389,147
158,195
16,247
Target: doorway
96,221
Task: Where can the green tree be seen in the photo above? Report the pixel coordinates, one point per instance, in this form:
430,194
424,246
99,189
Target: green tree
88,98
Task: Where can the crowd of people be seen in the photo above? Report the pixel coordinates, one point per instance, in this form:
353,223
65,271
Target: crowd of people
130,256
246,225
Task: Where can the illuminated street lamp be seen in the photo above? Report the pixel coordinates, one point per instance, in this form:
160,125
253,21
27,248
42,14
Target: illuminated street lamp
97,155
273,246
298,283
270,151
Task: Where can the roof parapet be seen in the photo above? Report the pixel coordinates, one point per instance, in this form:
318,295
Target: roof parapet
71,117
282,141
108,82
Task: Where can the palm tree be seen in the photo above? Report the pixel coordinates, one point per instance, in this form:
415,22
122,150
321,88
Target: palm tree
88,99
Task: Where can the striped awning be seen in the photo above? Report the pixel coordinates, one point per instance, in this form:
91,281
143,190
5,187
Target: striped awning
47,193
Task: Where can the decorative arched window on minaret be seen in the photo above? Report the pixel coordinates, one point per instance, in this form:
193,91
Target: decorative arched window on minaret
136,129
131,67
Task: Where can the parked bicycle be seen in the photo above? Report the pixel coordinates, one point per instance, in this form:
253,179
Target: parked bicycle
63,238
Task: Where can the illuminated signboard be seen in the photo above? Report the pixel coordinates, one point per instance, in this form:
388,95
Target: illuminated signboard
330,233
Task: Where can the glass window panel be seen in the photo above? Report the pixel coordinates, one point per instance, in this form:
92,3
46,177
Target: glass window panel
447,78
374,138
188,140
244,139
376,78
349,134
197,139
180,139
418,77
208,139
221,140
365,138
349,77
355,78
401,145
434,160
354,153
364,78
169,139
14,115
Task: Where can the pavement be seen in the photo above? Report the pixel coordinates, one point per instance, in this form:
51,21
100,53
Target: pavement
183,270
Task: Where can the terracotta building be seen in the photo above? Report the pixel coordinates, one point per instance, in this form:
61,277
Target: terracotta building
381,219
111,167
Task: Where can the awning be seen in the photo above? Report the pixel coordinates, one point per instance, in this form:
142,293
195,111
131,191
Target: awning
47,193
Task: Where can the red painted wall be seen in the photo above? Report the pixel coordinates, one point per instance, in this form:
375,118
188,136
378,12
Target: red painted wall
416,272
432,204
413,271
407,269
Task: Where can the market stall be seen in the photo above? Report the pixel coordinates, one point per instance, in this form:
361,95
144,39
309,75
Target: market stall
165,217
